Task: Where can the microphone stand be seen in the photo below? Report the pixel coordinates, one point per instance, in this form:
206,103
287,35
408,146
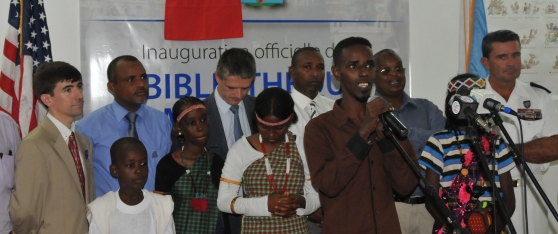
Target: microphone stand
498,120
429,189
476,148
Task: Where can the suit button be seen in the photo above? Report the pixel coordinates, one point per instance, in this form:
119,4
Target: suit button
372,162
374,187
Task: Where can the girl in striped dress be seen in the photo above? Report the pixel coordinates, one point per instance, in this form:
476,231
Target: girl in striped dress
277,191
451,164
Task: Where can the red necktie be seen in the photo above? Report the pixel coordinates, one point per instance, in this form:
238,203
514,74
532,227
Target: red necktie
72,144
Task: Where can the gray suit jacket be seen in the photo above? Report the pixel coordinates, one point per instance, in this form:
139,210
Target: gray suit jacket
217,142
48,196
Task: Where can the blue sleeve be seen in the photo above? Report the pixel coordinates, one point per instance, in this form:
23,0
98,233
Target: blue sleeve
436,121
169,130
82,127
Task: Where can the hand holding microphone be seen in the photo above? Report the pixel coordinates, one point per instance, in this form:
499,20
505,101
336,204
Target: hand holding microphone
377,107
371,122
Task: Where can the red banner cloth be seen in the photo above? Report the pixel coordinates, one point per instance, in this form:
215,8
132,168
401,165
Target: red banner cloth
203,19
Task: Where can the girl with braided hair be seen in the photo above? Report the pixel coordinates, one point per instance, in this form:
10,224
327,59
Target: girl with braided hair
191,173
275,179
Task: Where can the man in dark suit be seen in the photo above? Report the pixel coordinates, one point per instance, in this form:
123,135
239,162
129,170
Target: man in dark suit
54,175
231,109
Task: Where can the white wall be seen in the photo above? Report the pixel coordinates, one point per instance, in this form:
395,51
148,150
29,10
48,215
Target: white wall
434,47
434,55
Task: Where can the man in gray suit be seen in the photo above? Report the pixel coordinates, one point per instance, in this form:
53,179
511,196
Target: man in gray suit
230,110
54,175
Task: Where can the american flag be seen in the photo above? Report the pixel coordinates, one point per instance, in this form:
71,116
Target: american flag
27,45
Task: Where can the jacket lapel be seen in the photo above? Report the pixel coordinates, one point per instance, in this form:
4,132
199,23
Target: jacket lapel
219,144
249,106
63,151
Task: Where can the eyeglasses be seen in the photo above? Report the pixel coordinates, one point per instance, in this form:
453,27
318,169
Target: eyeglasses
387,71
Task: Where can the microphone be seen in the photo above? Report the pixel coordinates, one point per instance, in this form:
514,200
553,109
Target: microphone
463,107
392,122
496,106
481,95
471,114
488,99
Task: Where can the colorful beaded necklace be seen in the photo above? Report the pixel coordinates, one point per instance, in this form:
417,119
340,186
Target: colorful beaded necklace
199,201
270,177
462,195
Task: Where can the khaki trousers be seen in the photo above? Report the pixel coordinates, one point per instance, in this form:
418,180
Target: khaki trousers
414,219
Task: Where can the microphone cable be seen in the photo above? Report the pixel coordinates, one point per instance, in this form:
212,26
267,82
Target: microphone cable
494,172
522,171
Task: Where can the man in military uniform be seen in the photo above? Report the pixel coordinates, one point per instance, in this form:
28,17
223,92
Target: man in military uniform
502,57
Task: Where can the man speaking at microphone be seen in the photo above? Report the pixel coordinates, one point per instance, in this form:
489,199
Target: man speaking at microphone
501,51
352,164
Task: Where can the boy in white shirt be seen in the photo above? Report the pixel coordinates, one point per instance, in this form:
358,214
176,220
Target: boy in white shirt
131,209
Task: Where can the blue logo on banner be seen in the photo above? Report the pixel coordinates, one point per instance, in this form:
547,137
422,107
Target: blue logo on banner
262,2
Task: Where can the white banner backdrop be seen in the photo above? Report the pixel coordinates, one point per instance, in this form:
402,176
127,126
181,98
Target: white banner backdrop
536,23
110,28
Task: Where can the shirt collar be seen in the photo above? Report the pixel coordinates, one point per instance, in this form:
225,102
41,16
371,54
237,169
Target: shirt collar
300,99
64,131
120,112
519,90
340,114
487,84
224,106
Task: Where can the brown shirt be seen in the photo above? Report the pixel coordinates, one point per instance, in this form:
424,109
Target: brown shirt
355,180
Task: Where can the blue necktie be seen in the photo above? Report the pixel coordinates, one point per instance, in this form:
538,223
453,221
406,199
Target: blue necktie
132,132
237,128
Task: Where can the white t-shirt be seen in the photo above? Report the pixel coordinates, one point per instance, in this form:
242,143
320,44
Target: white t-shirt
136,219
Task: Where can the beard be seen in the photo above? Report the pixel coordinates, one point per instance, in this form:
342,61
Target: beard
361,97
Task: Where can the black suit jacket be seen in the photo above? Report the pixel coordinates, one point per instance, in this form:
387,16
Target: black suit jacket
217,142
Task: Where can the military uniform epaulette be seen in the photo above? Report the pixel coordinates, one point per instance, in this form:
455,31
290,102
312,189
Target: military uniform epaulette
535,85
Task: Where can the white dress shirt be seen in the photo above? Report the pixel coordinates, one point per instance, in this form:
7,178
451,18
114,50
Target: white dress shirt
9,141
66,132
302,110
532,130
227,118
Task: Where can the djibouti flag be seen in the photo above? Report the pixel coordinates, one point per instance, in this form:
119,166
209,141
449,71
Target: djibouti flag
262,2
479,29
